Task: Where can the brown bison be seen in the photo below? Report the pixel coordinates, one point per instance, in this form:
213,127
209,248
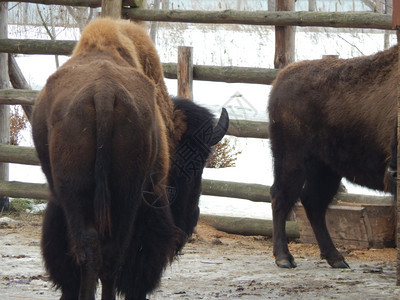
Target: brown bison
329,118
123,162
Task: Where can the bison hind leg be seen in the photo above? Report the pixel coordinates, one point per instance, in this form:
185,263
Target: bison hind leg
284,194
91,264
321,185
62,267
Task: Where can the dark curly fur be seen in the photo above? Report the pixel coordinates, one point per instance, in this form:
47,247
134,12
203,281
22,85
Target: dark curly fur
107,137
329,119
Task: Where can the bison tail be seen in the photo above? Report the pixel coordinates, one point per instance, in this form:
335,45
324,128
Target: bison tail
104,106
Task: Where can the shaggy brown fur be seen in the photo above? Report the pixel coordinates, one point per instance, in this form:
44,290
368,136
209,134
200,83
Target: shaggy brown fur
329,119
106,132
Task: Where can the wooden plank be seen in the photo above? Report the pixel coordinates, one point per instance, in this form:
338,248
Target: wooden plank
4,109
185,72
396,14
398,156
284,38
358,225
111,8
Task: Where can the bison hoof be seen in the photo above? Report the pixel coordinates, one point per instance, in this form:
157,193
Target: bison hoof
286,263
340,264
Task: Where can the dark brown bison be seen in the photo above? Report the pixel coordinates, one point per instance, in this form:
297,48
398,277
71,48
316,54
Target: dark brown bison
329,119
123,162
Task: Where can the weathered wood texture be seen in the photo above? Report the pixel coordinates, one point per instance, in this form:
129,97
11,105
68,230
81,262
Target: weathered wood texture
294,18
208,73
37,46
396,6
238,128
185,72
18,155
18,81
14,96
252,129
247,226
396,14
361,225
253,192
84,3
284,38
260,193
17,189
111,8
4,109
249,191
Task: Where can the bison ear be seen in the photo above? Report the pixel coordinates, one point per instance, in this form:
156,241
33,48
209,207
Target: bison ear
221,128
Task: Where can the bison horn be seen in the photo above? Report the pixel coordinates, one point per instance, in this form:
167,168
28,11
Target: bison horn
221,128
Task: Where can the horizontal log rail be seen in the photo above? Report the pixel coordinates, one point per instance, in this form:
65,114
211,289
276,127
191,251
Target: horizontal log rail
18,155
18,96
228,74
274,18
238,128
84,3
249,191
261,193
218,188
16,189
32,46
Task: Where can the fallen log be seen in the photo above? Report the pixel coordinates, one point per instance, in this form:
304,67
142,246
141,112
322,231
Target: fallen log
250,191
247,226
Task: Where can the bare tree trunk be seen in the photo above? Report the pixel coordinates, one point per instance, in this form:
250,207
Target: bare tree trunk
81,15
374,5
53,34
4,109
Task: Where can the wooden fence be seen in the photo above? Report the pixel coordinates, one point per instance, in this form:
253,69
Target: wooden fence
238,128
254,192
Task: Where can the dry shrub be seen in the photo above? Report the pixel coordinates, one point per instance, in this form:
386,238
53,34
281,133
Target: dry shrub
18,122
224,155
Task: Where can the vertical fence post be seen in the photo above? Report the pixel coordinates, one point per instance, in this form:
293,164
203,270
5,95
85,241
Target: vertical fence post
396,25
185,72
111,8
284,37
4,109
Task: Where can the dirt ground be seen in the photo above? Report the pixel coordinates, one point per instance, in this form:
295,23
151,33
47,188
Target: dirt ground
215,265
